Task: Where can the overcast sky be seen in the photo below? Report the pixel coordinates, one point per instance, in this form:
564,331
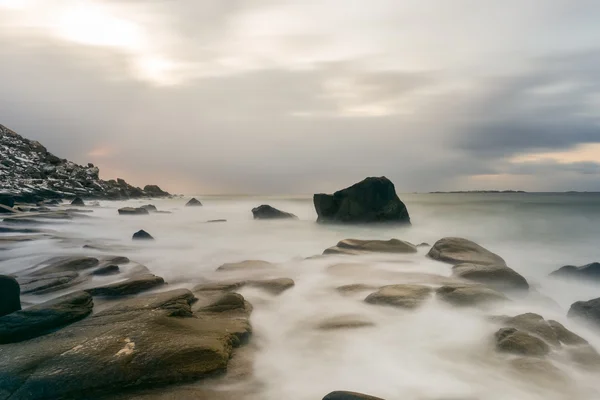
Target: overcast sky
301,96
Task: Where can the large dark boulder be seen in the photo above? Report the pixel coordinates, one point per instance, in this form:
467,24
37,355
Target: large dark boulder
588,272
455,250
586,310
267,212
142,235
9,295
371,200
193,203
155,191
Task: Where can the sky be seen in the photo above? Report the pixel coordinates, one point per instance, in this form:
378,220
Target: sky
304,96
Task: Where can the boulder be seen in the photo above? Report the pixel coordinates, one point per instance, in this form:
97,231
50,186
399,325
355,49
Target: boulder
455,250
403,296
497,276
369,201
586,310
193,203
469,295
133,211
10,295
150,208
155,191
267,212
111,269
138,343
355,247
51,282
142,235
514,341
67,264
133,285
78,201
588,272
343,395
44,318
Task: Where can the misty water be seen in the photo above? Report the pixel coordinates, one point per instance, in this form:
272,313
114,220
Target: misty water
435,352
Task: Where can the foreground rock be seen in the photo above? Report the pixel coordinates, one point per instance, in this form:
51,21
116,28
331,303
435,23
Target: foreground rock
371,200
588,272
46,317
469,295
588,311
499,277
142,235
194,202
455,250
141,342
133,285
341,395
273,286
403,296
133,211
267,212
10,292
356,247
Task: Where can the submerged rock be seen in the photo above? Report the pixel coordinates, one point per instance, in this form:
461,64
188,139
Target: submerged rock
344,322
10,295
133,285
355,247
67,264
142,235
46,317
215,220
274,286
403,296
342,395
194,202
497,276
107,270
512,340
371,200
150,208
246,265
78,201
588,272
455,250
467,295
48,283
133,211
267,212
589,311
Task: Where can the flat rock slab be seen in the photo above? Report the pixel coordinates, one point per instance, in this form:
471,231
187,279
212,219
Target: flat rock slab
455,250
39,284
43,318
357,247
344,322
246,265
133,285
139,343
67,264
10,300
403,296
499,277
274,286
474,295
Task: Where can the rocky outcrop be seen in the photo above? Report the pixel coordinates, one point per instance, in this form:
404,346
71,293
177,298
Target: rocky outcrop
357,247
194,202
456,250
155,191
499,277
402,296
142,235
267,212
10,292
30,174
588,272
372,200
588,311
511,340
133,285
469,295
46,317
133,211
342,395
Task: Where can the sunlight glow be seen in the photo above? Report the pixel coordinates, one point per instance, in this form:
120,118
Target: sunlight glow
589,152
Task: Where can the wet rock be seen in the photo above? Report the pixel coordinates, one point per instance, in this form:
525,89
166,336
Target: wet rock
565,336
511,340
272,286
67,264
344,322
46,317
48,283
588,272
150,208
78,202
133,285
7,210
588,311
226,302
116,259
355,247
469,295
107,270
142,235
342,395
133,211
193,203
138,343
356,288
455,250
373,200
246,265
10,295
536,368
537,325
497,276
403,296
267,212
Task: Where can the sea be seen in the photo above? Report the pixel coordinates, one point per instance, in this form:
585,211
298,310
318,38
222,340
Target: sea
436,352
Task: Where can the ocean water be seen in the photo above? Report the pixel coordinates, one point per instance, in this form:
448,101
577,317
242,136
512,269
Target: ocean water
435,352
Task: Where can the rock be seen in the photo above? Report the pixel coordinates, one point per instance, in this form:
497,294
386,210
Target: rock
46,317
588,272
536,324
371,200
586,310
107,270
155,191
226,302
423,245
565,336
7,210
355,246
133,211
150,208
344,322
511,340
48,283
469,295
499,277
273,286
529,368
193,203
342,395
142,235
78,201
355,288
67,264
267,212
455,250
138,343
8,201
403,296
216,220
246,265
133,285
10,295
